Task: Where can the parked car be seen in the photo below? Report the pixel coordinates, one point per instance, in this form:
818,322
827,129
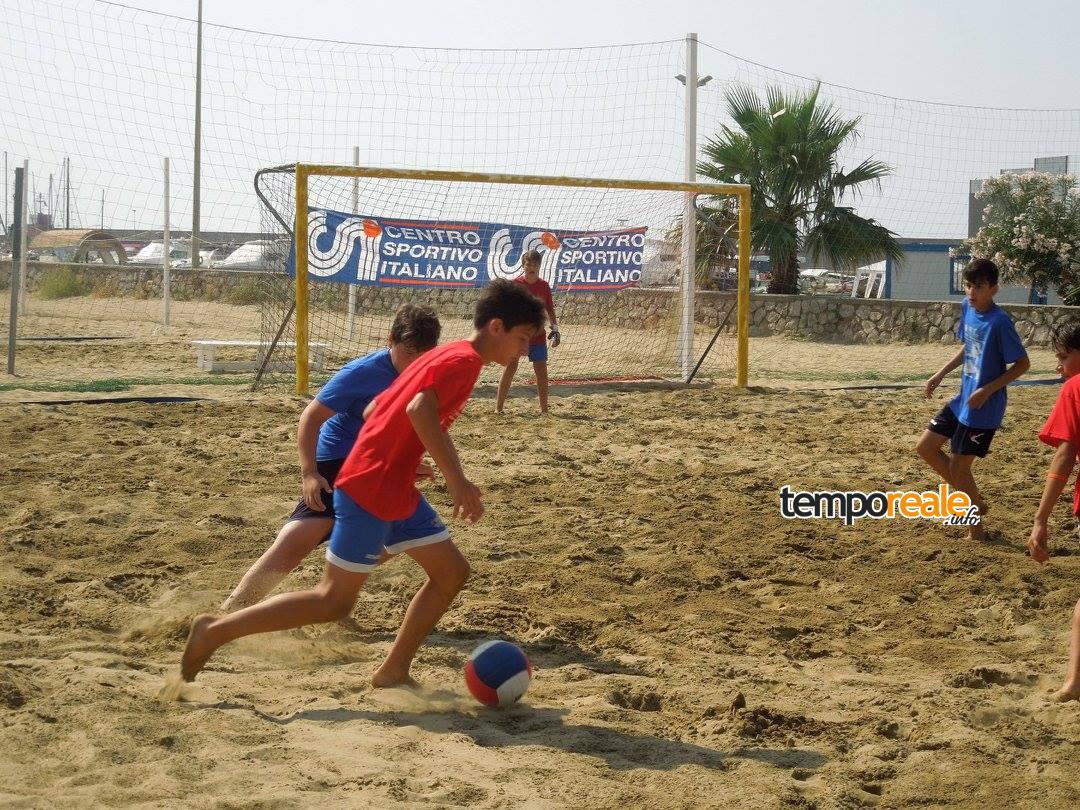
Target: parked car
154,253
204,259
132,247
258,255
822,281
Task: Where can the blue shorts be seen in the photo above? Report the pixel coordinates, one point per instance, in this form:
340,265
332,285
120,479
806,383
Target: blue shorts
964,440
359,538
328,470
538,352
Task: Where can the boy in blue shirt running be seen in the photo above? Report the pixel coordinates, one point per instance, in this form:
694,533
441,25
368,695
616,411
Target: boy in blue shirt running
992,357
328,429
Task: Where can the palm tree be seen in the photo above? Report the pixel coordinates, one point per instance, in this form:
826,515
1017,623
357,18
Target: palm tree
786,149
716,238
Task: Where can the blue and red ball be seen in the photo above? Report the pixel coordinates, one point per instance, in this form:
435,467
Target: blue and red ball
498,673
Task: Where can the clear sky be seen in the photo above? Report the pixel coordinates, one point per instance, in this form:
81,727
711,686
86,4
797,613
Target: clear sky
998,53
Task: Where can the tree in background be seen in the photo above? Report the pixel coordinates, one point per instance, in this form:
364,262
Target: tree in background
716,242
787,149
1031,231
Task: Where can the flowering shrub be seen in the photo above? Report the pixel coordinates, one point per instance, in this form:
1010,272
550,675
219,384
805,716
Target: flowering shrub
1031,231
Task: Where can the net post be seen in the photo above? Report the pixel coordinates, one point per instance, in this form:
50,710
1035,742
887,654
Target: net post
742,366
18,261
24,224
301,268
689,230
166,276
350,312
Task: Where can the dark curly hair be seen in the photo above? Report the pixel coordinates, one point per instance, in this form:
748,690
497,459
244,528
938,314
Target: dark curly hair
981,270
1065,335
416,327
511,303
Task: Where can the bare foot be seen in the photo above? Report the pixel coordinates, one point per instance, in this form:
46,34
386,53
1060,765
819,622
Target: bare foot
388,680
983,507
198,650
977,533
1067,693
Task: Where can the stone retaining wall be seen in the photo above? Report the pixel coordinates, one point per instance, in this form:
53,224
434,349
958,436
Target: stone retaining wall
824,318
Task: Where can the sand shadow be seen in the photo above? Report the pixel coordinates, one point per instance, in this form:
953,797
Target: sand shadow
526,390
544,654
546,727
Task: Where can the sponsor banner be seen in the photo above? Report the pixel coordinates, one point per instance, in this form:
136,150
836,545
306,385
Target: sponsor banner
368,250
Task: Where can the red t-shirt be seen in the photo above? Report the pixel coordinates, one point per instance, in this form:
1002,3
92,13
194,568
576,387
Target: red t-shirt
541,290
1063,425
380,470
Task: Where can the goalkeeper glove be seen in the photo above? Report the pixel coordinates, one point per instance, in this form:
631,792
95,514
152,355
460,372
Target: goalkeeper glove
554,337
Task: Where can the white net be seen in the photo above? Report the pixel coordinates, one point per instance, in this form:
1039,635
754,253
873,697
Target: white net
609,255
97,94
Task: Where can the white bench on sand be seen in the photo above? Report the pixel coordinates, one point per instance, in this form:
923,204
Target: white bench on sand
206,355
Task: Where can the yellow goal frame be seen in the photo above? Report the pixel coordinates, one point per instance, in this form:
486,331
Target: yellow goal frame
307,170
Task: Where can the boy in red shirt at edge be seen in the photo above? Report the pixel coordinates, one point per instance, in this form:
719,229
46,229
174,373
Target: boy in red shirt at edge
1062,430
379,510
538,350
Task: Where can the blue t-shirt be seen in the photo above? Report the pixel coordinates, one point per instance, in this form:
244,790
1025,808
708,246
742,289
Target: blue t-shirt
990,345
348,393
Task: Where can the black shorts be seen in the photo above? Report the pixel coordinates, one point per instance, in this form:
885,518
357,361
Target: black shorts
966,441
328,470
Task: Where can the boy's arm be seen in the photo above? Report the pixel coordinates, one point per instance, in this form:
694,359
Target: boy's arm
554,335
980,395
1061,467
307,438
935,381
423,412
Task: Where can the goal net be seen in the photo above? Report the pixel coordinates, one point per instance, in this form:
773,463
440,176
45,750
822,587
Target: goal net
612,251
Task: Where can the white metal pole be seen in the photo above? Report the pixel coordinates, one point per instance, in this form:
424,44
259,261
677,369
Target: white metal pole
689,230
17,252
350,313
166,279
196,191
22,238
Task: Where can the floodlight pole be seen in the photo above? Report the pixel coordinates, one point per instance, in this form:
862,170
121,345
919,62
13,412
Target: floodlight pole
196,179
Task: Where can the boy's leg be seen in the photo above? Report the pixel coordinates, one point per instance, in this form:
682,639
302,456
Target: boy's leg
542,384
294,542
1070,690
504,385
961,477
929,450
330,600
447,571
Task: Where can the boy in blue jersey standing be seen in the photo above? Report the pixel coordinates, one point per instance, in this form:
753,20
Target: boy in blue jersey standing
328,429
992,357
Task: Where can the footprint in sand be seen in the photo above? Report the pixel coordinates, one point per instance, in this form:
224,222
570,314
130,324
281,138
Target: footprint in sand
421,699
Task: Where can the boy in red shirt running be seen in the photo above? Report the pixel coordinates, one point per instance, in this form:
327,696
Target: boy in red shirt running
1062,430
379,510
538,350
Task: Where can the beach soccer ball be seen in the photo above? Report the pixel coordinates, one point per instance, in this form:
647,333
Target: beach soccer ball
498,673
